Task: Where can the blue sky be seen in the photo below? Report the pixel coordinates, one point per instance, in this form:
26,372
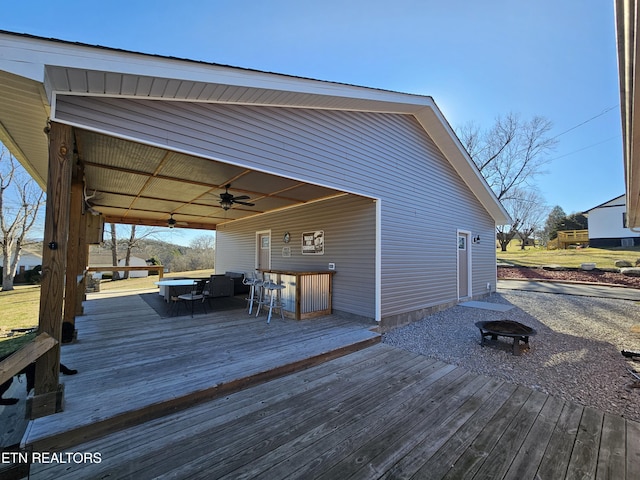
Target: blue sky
477,59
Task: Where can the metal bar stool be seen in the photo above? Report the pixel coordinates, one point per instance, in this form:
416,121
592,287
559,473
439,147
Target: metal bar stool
254,284
271,296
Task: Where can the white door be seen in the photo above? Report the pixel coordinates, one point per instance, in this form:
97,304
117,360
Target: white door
263,251
464,265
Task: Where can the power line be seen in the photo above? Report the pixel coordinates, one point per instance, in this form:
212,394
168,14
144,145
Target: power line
607,110
585,148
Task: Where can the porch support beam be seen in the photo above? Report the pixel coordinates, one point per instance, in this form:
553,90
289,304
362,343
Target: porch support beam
75,253
83,263
49,394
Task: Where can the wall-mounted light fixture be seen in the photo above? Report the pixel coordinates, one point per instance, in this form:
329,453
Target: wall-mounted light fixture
476,239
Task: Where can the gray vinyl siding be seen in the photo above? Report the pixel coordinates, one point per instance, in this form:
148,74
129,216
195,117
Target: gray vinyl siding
348,223
380,155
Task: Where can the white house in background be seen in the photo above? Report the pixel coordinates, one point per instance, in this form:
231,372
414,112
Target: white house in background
608,225
28,261
134,262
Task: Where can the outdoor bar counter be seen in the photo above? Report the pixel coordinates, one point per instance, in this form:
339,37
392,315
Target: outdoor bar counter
306,294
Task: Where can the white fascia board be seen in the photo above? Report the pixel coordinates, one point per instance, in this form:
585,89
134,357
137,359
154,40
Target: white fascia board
614,202
27,56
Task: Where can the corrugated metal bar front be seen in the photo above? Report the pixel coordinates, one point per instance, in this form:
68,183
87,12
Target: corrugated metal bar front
314,293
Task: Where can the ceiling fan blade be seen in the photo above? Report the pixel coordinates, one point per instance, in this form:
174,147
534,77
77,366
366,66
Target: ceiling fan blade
242,197
244,203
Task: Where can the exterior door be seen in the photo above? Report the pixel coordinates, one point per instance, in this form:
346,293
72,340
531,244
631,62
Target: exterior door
464,265
263,253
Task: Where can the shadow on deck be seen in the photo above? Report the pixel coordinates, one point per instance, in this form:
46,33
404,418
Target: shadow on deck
136,365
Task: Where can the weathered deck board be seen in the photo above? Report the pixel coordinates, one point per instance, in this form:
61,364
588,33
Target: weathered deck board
632,453
134,365
584,457
455,444
377,413
611,458
530,454
558,452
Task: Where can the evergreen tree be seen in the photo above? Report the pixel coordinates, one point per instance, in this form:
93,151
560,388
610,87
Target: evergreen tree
554,223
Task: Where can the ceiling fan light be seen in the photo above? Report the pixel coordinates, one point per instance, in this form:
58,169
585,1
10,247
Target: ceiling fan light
226,204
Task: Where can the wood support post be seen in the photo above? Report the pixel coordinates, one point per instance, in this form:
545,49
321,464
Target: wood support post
74,249
48,396
83,263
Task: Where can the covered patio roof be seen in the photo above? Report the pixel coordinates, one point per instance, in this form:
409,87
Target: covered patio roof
141,183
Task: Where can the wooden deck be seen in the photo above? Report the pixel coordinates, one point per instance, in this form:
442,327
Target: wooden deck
226,396
135,365
376,413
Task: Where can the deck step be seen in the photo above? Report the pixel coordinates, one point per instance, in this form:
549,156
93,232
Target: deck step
66,439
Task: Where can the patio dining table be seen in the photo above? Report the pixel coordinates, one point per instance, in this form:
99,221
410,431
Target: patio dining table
174,287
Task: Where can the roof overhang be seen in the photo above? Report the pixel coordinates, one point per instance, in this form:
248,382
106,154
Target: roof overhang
628,51
34,72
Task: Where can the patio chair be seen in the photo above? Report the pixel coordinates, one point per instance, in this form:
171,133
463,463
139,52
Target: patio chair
196,294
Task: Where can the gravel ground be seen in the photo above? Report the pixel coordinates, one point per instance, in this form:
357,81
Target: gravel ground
575,354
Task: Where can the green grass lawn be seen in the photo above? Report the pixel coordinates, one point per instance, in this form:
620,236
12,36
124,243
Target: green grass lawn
572,257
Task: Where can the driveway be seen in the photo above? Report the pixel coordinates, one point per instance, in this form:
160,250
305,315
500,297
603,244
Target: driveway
581,289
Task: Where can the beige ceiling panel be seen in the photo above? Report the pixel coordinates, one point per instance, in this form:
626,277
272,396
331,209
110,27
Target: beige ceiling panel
111,199
156,205
113,181
201,210
263,183
112,211
174,189
118,153
199,169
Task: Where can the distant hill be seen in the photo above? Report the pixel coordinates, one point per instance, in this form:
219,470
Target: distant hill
177,258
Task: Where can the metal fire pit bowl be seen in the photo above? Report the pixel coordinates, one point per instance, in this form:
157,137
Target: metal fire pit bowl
506,328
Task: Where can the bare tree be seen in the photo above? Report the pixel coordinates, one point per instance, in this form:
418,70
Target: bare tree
132,242
20,200
527,209
506,233
114,252
532,212
511,153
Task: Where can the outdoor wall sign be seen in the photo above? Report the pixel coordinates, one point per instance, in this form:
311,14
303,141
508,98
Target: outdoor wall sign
313,243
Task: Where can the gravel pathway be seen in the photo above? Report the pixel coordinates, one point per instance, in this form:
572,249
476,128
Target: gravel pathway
575,354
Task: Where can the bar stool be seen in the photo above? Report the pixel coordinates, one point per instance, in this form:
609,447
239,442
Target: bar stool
271,296
254,284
